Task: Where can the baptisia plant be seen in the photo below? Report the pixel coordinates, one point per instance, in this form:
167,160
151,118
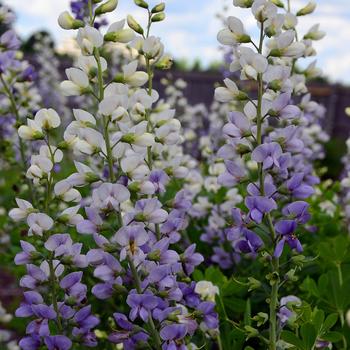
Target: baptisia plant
55,299
269,131
125,153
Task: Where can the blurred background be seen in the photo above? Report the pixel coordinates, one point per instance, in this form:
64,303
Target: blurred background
189,34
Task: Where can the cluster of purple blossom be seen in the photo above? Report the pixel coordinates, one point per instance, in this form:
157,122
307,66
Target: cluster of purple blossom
269,131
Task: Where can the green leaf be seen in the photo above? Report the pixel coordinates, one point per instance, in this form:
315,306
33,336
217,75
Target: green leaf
330,321
332,337
309,285
309,335
318,319
248,313
292,339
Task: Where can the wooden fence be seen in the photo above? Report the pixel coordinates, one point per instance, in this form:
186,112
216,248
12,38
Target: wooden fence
200,89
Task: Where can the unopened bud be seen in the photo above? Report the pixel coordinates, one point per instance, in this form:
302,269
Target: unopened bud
109,6
253,284
158,17
165,62
251,332
158,8
309,8
66,21
278,3
141,3
132,23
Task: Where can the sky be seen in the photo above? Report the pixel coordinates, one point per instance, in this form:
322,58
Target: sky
191,26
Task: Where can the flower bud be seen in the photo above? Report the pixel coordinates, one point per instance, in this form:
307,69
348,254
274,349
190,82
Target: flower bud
243,3
309,8
261,318
158,17
158,8
253,284
251,332
165,62
278,3
66,21
109,6
134,25
141,3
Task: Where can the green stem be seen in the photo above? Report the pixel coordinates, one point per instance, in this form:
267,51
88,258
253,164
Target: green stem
54,292
341,312
273,337
104,119
14,110
137,281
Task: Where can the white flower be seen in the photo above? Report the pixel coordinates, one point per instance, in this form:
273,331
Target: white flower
84,118
133,165
290,21
64,190
84,175
206,290
228,93
152,47
283,45
77,84
70,216
53,152
31,131
23,210
250,62
89,64
133,77
40,167
117,33
314,33
263,10
38,223
137,135
47,118
89,38
234,33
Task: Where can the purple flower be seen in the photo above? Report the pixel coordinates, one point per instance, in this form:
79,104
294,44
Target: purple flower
159,179
190,259
30,298
9,40
141,305
234,173
35,277
109,273
297,210
92,224
131,238
30,343
84,319
258,206
25,257
208,314
298,187
173,331
238,126
268,154
286,312
58,342
281,108
286,229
